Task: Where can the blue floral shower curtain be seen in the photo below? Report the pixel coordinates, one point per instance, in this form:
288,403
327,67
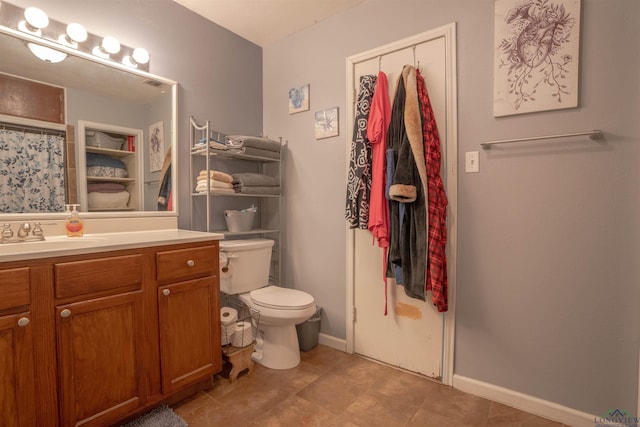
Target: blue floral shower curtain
31,172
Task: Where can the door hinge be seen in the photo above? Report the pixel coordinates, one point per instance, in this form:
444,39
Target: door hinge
355,310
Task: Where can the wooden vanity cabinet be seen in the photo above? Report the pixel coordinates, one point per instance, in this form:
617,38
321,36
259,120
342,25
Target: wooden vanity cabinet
188,310
99,329
115,333
17,386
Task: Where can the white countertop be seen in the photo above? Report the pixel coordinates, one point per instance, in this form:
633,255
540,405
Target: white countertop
99,242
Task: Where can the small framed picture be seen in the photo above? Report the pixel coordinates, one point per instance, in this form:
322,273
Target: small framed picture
298,99
156,143
326,123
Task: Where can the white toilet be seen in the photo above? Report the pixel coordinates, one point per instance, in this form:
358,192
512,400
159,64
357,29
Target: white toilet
244,271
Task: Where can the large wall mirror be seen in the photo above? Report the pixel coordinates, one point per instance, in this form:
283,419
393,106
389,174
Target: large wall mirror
104,104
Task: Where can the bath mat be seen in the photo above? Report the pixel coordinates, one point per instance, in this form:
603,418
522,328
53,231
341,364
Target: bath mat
162,416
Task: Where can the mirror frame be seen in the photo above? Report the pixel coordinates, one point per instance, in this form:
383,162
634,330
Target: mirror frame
5,31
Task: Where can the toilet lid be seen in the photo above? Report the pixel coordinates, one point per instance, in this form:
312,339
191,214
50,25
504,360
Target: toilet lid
281,298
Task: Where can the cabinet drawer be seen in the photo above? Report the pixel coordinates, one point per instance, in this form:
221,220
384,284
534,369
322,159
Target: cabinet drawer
14,288
185,264
98,275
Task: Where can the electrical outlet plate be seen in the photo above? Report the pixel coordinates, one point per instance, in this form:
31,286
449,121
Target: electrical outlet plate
472,164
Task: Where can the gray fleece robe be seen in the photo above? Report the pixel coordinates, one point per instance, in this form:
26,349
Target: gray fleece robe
408,242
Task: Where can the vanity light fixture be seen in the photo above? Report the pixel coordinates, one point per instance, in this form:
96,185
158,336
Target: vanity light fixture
45,35
109,46
34,21
139,56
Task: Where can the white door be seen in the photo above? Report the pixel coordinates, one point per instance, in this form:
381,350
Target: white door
413,335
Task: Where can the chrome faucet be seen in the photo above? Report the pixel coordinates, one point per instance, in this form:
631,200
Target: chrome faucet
6,235
37,230
24,229
7,232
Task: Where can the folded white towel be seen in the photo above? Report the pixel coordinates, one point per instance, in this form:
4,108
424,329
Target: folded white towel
213,174
201,185
217,191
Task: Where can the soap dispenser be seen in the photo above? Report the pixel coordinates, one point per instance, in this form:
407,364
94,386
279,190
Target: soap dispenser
73,224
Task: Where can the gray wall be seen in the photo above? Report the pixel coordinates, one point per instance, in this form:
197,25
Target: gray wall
548,234
220,73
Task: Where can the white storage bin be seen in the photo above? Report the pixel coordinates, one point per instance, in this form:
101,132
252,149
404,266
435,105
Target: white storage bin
102,140
239,221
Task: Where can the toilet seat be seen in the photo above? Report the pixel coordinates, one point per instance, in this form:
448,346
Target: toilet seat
281,298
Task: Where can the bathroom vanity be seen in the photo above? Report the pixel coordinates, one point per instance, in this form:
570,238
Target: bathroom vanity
95,331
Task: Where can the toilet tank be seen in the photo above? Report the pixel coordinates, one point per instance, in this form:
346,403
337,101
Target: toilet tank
247,265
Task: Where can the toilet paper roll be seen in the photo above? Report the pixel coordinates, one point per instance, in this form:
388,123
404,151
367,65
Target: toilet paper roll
228,315
228,318
242,336
226,332
226,269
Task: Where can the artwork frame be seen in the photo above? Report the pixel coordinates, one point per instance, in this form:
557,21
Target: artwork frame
326,123
156,146
536,56
299,99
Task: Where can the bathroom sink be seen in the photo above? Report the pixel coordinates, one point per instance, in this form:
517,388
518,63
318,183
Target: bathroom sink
51,243
62,241
54,246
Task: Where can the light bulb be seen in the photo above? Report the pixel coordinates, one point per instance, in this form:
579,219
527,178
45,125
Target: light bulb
140,55
76,32
35,21
110,45
36,18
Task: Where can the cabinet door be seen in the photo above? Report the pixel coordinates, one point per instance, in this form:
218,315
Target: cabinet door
99,359
189,332
17,389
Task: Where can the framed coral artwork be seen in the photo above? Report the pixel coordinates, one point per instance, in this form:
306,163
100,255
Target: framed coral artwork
536,67
298,99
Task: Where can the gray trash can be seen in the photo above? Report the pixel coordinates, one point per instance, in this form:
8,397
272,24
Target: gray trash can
309,330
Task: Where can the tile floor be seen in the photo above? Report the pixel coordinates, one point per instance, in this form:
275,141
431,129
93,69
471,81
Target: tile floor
331,388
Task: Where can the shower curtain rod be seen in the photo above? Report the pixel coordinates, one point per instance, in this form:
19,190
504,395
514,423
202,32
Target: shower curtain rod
594,134
31,129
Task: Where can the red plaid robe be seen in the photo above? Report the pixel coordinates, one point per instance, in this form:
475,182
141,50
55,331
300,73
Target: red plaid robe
437,203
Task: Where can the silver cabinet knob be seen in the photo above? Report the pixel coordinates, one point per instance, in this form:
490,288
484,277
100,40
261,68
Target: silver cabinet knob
166,292
65,313
23,321
191,263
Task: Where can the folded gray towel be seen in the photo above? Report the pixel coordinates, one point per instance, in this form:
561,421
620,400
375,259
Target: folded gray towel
258,152
258,190
253,180
238,141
